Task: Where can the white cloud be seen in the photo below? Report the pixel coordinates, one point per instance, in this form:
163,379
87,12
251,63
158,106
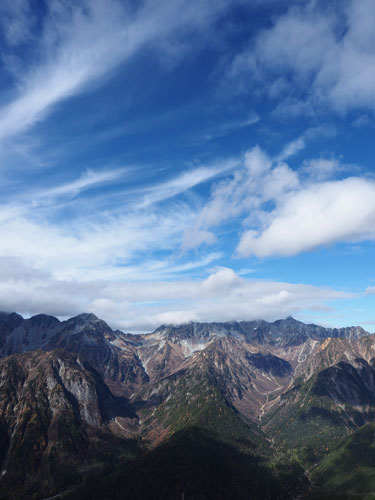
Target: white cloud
320,214
123,266
224,279
183,182
252,185
225,128
81,45
223,296
67,255
322,168
87,180
16,20
284,211
143,306
331,55
195,237
275,299
292,148
79,240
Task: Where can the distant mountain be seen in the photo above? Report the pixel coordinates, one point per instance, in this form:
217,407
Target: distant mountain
281,333
82,401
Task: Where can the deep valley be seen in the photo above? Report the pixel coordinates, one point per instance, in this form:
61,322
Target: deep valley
241,410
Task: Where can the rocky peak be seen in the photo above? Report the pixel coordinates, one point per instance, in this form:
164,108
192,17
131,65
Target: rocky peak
84,318
10,319
280,333
42,319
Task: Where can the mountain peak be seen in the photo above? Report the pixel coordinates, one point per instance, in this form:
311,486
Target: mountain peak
85,318
43,318
289,319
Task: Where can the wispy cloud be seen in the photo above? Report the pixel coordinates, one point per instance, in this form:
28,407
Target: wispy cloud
292,148
184,182
81,45
227,127
121,241
329,52
82,240
87,180
256,182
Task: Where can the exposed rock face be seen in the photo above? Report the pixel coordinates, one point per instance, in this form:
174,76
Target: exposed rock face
53,412
69,389
255,360
107,351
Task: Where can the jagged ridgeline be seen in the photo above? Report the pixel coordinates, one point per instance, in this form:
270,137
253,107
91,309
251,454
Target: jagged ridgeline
240,410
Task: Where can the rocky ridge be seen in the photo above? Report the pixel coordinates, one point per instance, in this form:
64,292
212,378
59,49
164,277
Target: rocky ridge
265,384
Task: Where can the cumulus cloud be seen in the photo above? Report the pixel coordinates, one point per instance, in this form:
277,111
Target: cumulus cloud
253,184
317,215
329,52
124,270
285,212
282,212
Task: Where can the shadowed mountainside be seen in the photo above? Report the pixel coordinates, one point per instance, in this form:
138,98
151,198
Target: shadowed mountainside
88,405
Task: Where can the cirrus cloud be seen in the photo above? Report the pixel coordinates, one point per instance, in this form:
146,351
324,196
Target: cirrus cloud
81,45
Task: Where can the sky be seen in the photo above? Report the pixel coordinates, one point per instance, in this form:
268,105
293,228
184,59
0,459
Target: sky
188,160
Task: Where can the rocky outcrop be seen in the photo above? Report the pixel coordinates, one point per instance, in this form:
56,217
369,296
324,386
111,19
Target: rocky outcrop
53,415
75,393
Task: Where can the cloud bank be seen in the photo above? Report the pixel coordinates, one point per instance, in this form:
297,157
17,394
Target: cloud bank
143,306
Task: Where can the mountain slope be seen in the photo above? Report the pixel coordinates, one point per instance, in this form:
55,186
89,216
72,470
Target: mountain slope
194,464
312,416
350,469
53,411
261,400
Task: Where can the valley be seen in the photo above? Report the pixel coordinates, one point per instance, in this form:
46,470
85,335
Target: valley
88,412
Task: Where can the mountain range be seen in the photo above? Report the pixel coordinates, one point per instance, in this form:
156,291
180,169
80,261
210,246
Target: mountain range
239,410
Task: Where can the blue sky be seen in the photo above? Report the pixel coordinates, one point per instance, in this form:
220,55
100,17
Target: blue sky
163,162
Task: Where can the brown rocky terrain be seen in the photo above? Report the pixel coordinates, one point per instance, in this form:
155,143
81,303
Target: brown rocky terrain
78,397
